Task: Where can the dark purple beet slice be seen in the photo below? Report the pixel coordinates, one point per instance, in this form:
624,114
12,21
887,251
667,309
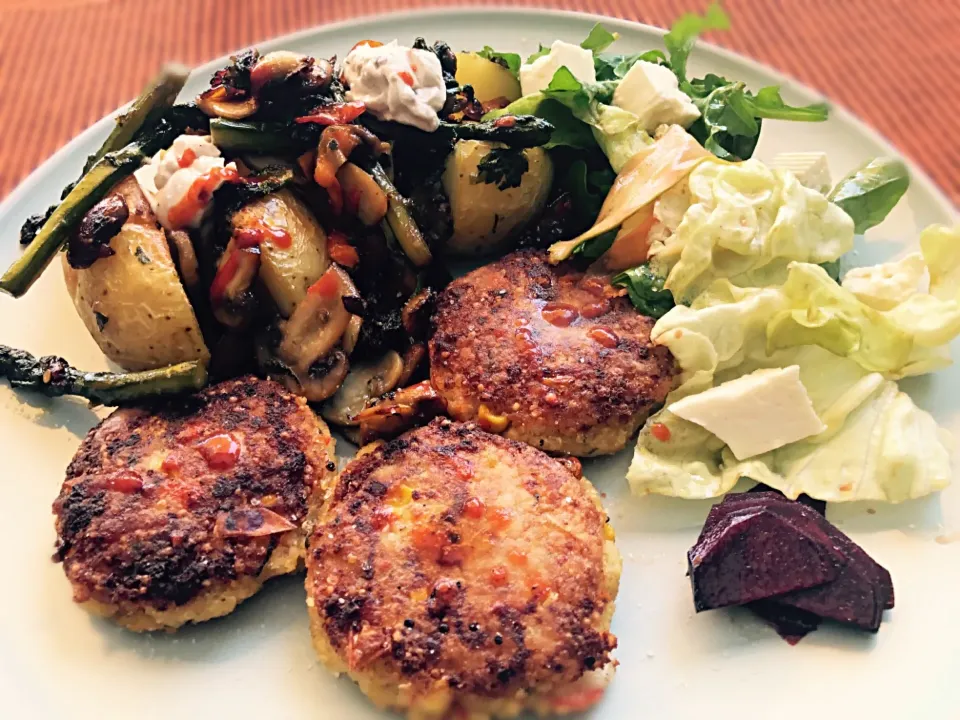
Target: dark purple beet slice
755,555
818,505
865,565
791,623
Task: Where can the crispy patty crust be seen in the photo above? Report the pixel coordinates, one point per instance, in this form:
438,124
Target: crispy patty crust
456,570
179,512
548,353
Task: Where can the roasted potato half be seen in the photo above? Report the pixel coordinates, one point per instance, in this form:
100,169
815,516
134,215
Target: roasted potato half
287,269
490,81
132,302
486,217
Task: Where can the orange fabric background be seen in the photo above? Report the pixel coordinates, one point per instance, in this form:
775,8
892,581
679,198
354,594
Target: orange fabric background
66,63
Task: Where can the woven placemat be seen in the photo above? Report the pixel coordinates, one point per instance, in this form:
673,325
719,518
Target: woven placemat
66,63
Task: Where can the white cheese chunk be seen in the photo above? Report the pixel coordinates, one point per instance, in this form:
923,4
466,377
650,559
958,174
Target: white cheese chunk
810,168
756,413
536,76
652,93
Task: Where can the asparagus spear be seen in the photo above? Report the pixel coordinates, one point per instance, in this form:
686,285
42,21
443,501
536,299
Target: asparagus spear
147,109
92,188
263,137
53,376
149,106
519,131
400,220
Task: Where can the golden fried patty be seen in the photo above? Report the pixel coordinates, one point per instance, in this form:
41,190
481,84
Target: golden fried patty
177,513
455,569
548,353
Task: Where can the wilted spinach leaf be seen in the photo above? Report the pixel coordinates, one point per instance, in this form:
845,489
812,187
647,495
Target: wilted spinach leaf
503,167
511,61
645,289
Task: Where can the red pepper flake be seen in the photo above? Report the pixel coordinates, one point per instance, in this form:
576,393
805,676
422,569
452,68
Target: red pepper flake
220,451
517,557
381,517
186,160
327,286
506,121
367,43
227,272
335,114
341,251
474,508
604,336
660,431
171,464
498,576
406,77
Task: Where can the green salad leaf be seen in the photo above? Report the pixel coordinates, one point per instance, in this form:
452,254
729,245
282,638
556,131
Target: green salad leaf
645,290
871,191
538,54
850,344
595,247
567,130
588,189
614,67
511,61
683,36
599,39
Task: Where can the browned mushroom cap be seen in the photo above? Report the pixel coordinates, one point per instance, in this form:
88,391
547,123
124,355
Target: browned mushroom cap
321,381
399,411
215,103
364,382
317,323
274,67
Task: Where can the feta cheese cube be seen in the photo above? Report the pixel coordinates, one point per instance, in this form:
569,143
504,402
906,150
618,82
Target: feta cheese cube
756,413
652,93
536,76
810,168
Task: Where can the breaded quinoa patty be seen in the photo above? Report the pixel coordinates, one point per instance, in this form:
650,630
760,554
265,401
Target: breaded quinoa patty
455,570
546,353
177,513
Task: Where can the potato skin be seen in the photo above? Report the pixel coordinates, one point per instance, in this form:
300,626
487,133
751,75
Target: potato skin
132,302
489,80
287,272
485,217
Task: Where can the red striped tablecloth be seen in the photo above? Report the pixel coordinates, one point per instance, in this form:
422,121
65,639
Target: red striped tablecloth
66,63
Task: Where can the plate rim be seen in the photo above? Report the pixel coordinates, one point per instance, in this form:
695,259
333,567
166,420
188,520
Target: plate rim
917,174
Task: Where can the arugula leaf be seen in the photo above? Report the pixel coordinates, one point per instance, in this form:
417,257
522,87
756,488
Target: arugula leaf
614,67
504,167
645,289
588,189
871,191
684,33
510,61
599,39
538,54
767,103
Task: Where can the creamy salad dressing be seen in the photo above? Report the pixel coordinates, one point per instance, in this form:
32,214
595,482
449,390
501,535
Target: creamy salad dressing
171,177
396,83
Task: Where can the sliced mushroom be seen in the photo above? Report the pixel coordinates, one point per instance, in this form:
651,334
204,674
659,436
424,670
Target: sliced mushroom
351,335
214,103
317,323
184,257
417,312
412,357
362,196
363,382
276,66
336,144
400,410
230,292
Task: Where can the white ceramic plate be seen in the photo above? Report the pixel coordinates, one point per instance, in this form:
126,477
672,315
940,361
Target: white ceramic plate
56,661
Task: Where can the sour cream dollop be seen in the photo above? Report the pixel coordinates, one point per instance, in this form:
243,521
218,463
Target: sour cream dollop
179,182
397,83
